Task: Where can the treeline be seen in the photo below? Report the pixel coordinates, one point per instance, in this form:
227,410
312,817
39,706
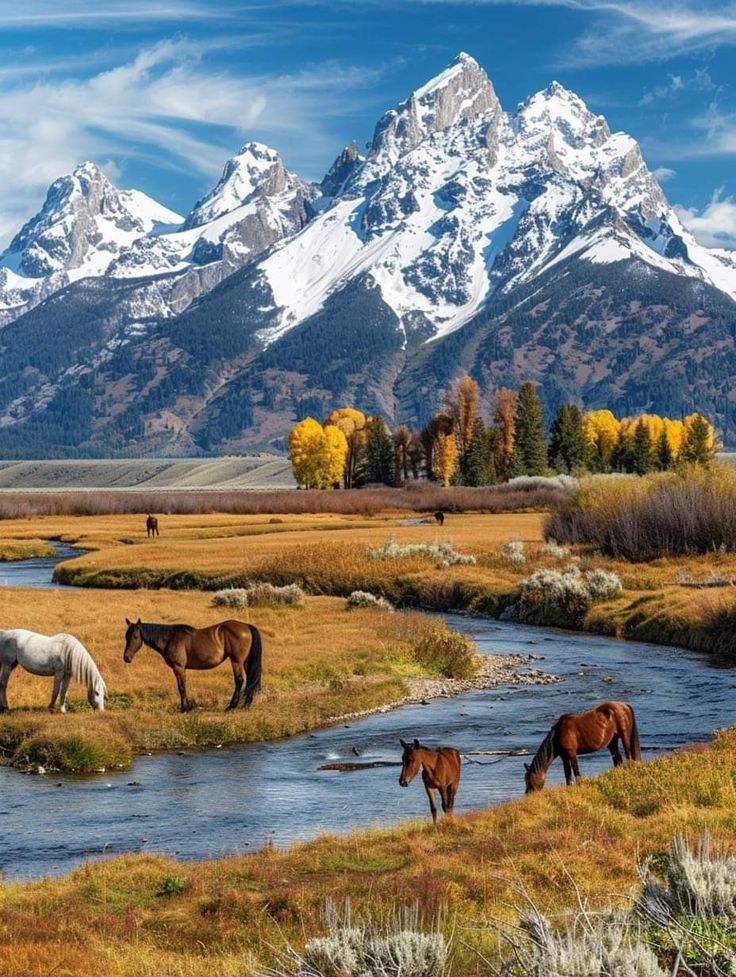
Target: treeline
459,447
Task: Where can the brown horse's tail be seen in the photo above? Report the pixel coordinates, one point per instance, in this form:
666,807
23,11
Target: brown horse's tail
635,746
253,665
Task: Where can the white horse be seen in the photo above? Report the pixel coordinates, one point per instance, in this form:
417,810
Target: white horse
60,655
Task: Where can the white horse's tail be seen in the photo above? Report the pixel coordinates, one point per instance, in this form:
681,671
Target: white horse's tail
80,663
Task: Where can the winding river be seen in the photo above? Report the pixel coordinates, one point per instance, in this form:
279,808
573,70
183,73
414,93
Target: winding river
232,800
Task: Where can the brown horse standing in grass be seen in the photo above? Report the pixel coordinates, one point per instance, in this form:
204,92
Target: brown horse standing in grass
151,526
607,725
182,646
440,771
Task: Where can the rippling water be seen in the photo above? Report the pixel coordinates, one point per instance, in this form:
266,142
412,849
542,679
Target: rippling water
195,805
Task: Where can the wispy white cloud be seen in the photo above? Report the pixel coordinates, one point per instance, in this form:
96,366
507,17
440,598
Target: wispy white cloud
168,107
714,225
632,31
85,13
664,173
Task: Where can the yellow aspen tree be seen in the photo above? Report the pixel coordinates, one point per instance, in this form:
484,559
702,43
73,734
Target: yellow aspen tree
446,455
462,402
308,453
602,431
352,423
337,453
675,430
504,417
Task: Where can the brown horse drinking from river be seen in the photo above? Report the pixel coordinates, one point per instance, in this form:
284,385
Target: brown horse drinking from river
607,725
182,646
440,771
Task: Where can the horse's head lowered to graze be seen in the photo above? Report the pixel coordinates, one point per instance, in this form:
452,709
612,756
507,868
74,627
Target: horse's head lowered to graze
534,779
133,639
97,695
410,762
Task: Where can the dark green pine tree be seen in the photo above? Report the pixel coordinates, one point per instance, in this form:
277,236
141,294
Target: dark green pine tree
529,456
480,465
379,453
642,449
622,457
697,446
569,450
663,453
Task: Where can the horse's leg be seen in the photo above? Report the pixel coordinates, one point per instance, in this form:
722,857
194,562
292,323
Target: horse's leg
615,752
568,769
58,676
432,805
444,799
181,684
574,765
450,798
5,673
239,676
65,680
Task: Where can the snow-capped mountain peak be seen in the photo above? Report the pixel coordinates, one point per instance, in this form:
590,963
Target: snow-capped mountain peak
84,223
256,169
462,92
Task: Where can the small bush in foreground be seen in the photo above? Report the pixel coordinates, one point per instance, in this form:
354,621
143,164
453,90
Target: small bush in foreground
448,653
596,947
444,552
259,595
362,598
366,950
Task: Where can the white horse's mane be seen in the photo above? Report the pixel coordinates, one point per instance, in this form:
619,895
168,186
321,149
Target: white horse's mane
80,662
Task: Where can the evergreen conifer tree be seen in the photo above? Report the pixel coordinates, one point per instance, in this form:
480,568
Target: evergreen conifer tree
480,466
698,446
379,453
664,452
529,456
568,449
641,450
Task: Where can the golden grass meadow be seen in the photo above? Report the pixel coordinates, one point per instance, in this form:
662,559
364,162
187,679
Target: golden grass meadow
140,916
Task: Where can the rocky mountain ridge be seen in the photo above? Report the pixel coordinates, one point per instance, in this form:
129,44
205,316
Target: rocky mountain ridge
510,244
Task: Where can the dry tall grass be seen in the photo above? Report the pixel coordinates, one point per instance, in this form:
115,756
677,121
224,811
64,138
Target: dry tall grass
416,497
320,662
645,519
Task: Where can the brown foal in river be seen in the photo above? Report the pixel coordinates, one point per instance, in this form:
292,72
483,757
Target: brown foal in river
182,646
440,771
608,725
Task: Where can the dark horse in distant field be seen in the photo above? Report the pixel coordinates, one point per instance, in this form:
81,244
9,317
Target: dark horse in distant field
182,646
439,517
151,526
440,771
607,725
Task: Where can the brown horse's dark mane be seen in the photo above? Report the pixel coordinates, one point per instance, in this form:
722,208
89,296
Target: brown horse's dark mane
547,749
156,634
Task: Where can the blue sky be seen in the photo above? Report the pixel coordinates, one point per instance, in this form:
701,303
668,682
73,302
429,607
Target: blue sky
161,92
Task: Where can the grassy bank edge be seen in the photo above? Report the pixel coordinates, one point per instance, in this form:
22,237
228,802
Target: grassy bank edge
636,616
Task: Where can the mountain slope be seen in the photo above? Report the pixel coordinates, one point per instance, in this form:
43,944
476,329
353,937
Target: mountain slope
527,244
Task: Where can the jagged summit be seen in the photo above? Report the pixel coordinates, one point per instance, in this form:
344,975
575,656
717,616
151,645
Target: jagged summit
85,220
537,239
256,169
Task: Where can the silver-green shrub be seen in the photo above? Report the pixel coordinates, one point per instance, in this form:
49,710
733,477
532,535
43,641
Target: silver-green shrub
444,552
595,947
259,595
363,598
